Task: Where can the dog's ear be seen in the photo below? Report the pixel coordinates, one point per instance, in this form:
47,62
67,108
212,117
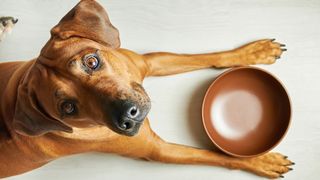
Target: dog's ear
89,20
30,117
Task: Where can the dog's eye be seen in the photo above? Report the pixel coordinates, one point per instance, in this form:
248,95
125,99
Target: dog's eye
91,61
68,108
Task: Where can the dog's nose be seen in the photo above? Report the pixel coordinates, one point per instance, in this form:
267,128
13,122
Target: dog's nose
127,115
130,115
127,124
131,110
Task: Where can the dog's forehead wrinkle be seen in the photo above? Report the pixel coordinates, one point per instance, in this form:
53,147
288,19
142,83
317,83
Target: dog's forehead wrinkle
63,86
58,93
61,93
41,69
58,51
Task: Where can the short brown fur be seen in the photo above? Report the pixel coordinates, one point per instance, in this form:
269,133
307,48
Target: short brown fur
32,133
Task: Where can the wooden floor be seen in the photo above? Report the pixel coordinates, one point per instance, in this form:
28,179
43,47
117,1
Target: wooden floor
190,27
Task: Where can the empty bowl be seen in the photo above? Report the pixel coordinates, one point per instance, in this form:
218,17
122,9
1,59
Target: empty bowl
246,111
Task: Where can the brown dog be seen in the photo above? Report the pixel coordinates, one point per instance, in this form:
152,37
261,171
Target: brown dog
83,93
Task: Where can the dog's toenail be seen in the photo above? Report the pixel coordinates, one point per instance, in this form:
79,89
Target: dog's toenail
290,169
281,176
14,21
284,49
272,39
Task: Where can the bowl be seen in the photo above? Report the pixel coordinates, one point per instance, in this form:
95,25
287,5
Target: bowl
246,111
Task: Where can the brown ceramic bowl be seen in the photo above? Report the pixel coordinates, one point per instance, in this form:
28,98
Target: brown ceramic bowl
246,112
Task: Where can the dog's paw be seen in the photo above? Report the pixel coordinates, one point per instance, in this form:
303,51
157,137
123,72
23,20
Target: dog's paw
270,165
6,26
265,51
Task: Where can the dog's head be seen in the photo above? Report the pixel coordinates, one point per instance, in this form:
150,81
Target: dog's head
79,79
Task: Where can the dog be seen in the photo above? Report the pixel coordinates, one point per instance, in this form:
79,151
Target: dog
83,93
6,25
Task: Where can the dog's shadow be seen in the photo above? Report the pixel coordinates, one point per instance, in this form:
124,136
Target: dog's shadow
196,128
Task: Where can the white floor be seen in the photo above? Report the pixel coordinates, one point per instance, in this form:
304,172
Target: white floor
191,27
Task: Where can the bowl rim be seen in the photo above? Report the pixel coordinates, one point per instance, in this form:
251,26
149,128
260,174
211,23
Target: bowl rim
226,73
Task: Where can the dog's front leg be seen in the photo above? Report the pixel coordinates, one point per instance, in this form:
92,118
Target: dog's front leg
258,52
148,145
271,165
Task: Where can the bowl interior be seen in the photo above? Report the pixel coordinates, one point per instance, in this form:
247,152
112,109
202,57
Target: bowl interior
246,112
